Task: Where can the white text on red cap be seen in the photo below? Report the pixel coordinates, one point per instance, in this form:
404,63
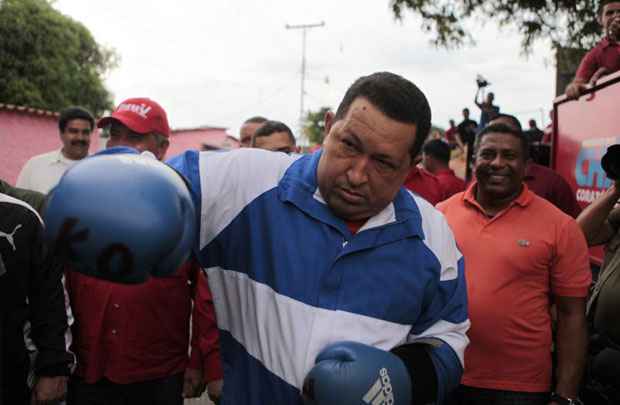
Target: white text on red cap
140,109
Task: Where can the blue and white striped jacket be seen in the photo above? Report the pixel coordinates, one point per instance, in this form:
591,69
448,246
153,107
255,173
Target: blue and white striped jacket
289,278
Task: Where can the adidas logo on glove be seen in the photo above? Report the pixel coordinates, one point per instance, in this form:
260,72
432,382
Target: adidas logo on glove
381,392
345,373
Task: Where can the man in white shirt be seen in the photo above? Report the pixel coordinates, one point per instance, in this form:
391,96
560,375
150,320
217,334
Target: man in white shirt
42,172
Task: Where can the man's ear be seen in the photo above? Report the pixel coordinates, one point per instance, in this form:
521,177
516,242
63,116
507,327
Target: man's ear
416,159
163,148
329,121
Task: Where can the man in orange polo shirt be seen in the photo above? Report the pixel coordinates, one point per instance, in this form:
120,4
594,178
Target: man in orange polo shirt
521,253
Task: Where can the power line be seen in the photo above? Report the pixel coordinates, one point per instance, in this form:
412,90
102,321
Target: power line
303,28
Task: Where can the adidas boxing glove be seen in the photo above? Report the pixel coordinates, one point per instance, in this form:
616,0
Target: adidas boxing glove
350,373
121,217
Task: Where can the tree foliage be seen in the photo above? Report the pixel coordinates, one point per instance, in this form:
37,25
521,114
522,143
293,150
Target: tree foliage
49,60
567,23
314,125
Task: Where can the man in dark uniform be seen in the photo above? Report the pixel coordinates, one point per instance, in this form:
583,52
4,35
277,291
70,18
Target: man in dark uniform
466,136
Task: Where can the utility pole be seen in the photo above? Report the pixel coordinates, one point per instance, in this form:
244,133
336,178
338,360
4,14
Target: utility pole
303,28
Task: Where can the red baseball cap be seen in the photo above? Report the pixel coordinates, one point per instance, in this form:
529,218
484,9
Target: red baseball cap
141,115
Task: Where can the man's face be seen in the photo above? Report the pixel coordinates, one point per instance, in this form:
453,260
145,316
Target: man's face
76,139
246,132
276,142
120,135
500,165
610,20
466,114
365,160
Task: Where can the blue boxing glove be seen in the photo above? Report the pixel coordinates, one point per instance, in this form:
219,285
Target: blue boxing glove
350,373
121,217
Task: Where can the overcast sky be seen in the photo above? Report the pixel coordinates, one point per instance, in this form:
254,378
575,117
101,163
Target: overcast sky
220,62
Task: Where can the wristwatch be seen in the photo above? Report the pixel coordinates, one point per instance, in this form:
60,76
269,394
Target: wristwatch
565,401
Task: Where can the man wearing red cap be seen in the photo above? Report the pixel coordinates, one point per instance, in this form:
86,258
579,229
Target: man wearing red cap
131,340
139,123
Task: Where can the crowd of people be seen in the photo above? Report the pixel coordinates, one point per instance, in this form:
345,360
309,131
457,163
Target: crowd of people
365,272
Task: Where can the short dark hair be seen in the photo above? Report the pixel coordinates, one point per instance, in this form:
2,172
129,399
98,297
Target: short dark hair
394,96
466,109
269,127
514,121
255,120
73,113
504,129
437,149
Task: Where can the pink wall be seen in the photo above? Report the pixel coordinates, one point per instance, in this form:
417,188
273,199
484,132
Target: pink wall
184,139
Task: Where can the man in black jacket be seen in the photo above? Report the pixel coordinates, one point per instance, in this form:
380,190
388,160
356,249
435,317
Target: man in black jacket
31,299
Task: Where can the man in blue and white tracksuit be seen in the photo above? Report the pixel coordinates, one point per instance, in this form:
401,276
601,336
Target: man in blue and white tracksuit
332,283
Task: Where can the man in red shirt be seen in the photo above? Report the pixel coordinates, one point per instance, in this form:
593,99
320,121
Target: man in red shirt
425,184
436,159
604,58
132,340
451,135
552,187
521,254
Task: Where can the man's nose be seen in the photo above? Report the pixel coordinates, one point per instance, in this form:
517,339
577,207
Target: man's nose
358,172
498,161
82,135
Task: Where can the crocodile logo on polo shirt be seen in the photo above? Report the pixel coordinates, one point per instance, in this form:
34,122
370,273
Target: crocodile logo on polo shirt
523,242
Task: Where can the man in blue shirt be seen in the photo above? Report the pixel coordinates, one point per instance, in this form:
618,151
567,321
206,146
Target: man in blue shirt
313,251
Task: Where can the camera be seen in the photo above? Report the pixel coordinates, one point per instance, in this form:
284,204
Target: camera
611,162
481,81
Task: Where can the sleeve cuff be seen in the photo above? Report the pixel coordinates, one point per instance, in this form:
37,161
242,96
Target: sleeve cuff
213,367
422,373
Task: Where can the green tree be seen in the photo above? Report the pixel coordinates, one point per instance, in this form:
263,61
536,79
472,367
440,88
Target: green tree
567,23
49,60
314,125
